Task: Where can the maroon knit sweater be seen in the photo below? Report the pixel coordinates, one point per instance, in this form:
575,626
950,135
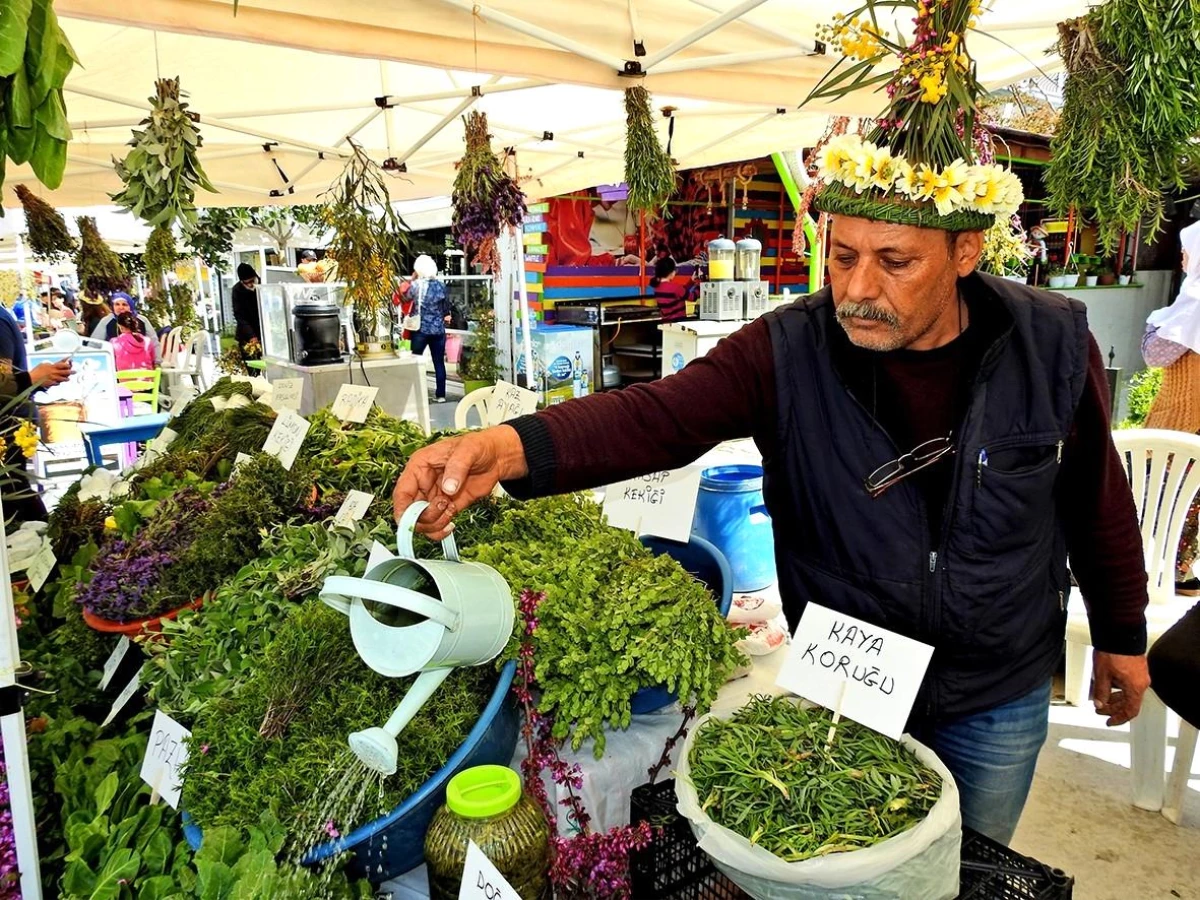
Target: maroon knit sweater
915,395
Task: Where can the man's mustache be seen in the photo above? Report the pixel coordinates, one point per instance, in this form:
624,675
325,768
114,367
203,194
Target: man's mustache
853,310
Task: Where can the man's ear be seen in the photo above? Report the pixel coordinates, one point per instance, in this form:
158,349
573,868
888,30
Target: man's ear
968,247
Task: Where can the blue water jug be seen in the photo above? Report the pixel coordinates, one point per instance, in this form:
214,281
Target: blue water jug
730,513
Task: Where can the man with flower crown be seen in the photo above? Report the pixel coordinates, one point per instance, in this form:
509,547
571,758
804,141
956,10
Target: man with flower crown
935,441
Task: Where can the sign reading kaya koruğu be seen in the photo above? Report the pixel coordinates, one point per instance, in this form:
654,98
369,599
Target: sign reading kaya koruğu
661,503
871,673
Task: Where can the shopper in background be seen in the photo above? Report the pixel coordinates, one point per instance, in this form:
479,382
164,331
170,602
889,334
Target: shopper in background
95,310
672,296
108,330
244,299
20,499
61,315
132,348
1172,341
432,305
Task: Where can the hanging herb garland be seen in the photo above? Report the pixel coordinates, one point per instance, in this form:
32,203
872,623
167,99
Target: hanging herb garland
100,270
35,59
648,168
160,254
162,172
49,238
486,199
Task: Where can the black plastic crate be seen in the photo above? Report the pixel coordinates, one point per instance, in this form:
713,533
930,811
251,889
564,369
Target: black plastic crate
991,871
674,868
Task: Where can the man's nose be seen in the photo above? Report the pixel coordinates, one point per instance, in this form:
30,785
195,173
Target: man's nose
862,285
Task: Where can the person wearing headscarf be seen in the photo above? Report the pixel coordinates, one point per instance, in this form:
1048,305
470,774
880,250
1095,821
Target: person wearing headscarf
429,299
245,306
107,328
1172,342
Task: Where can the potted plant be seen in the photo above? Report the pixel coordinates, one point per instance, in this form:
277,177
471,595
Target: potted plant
1091,274
1126,276
479,369
1108,272
1057,278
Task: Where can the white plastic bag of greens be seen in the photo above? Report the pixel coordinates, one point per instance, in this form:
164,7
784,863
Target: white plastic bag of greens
921,863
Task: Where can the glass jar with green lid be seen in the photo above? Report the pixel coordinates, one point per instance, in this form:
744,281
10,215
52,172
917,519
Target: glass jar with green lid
484,804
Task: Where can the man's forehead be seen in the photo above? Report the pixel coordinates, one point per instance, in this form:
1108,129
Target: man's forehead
882,237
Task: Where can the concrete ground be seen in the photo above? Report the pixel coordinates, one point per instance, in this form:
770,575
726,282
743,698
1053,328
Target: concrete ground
1079,817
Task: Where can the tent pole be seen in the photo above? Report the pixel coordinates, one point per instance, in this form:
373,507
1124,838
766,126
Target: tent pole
16,754
370,117
526,320
449,117
703,31
635,27
534,31
728,59
732,134
771,29
454,95
389,123
25,308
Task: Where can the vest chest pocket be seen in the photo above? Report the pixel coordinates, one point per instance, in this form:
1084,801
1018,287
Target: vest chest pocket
1012,495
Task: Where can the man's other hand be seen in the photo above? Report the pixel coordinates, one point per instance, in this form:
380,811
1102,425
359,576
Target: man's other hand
1118,684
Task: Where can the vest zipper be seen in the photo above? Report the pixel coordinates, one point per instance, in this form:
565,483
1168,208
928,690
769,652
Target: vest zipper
932,561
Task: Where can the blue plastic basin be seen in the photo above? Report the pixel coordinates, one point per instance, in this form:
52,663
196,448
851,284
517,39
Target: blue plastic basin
707,564
491,742
731,513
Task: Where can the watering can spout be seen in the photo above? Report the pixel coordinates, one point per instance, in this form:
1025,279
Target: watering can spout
376,747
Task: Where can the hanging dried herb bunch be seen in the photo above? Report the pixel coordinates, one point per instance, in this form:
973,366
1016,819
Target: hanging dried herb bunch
369,242
160,254
486,199
648,168
48,236
162,172
100,270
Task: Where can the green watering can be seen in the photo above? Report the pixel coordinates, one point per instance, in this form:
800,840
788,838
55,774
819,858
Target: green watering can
427,616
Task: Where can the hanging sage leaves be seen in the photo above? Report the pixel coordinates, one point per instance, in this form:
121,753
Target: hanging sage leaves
162,172
49,238
648,169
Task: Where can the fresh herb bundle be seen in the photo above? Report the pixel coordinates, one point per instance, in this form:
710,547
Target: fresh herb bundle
100,270
649,171
75,522
765,773
162,172
487,200
160,254
35,59
615,618
49,238
481,364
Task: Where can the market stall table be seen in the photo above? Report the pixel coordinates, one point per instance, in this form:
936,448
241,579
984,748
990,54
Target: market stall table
403,391
131,431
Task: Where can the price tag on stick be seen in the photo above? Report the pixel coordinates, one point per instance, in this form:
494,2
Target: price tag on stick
114,660
482,880
353,508
353,402
286,393
40,567
286,437
662,503
869,674
165,755
508,402
124,697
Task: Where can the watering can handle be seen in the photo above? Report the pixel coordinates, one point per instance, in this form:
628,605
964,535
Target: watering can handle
338,587
404,534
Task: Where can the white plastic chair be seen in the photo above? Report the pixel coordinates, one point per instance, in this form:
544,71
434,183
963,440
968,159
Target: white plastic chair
477,401
190,366
1163,468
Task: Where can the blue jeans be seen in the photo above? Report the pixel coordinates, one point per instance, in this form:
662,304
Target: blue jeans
437,351
992,755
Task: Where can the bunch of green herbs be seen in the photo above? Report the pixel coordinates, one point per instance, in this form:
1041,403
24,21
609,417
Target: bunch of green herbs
99,269
767,774
649,171
49,239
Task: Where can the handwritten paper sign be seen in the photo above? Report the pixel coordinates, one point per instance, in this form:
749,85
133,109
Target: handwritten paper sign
113,661
40,568
508,402
286,393
872,673
353,508
662,503
181,398
165,755
481,880
162,442
124,697
353,402
287,434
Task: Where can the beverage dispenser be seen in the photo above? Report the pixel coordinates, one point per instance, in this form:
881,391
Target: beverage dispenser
721,255
748,259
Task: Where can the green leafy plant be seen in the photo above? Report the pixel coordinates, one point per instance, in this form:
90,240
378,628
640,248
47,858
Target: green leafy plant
35,59
162,172
100,270
211,236
1143,388
49,238
649,171
480,364
160,254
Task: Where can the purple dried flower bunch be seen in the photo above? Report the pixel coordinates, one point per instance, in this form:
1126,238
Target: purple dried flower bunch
486,199
588,864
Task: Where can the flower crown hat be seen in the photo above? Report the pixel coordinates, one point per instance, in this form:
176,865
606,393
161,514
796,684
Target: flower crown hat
920,163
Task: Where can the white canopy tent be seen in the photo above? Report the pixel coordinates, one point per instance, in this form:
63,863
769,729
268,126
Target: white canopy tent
282,86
